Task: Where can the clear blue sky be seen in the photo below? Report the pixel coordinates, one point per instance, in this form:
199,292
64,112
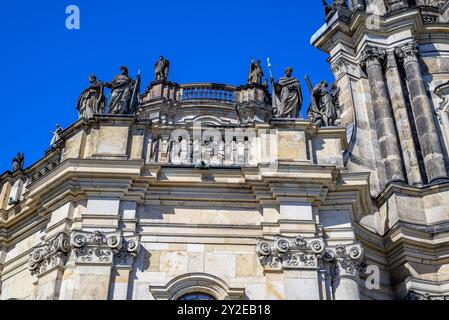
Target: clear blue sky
45,66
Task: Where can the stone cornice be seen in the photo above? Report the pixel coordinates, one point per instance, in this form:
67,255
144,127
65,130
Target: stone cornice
409,190
353,34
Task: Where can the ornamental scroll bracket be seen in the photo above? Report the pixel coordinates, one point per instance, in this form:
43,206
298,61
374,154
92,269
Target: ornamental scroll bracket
285,253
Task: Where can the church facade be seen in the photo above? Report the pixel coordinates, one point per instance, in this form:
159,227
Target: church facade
209,191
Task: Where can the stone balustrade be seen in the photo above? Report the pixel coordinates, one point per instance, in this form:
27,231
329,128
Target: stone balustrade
213,92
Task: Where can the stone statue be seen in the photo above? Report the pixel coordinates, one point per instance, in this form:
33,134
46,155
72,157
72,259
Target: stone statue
324,108
17,162
255,73
122,87
287,96
336,5
161,69
92,100
56,135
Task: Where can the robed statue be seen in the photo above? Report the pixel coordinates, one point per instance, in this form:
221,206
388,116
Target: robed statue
122,88
324,107
17,162
255,72
92,100
287,96
161,69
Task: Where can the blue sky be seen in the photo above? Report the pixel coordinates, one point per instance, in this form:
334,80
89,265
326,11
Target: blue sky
46,65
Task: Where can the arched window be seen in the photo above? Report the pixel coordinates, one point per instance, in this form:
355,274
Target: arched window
196,297
197,286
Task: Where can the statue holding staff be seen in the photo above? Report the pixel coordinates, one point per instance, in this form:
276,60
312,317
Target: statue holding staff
287,95
122,88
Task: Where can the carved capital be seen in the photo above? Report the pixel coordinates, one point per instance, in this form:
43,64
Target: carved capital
340,67
104,248
51,255
286,253
372,56
408,52
348,259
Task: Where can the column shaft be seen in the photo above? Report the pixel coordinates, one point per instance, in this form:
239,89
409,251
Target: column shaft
402,122
385,126
423,114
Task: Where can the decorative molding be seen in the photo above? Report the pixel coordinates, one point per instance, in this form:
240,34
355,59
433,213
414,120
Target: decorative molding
53,254
416,296
298,254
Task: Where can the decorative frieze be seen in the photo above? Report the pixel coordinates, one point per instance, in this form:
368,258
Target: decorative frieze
51,255
286,253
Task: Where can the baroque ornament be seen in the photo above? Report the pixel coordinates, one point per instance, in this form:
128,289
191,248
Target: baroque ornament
51,255
250,112
408,52
286,253
101,247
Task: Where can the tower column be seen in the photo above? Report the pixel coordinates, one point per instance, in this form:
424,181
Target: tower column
422,111
372,59
402,122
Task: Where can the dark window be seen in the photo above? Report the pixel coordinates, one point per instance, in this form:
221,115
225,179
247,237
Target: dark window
196,297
